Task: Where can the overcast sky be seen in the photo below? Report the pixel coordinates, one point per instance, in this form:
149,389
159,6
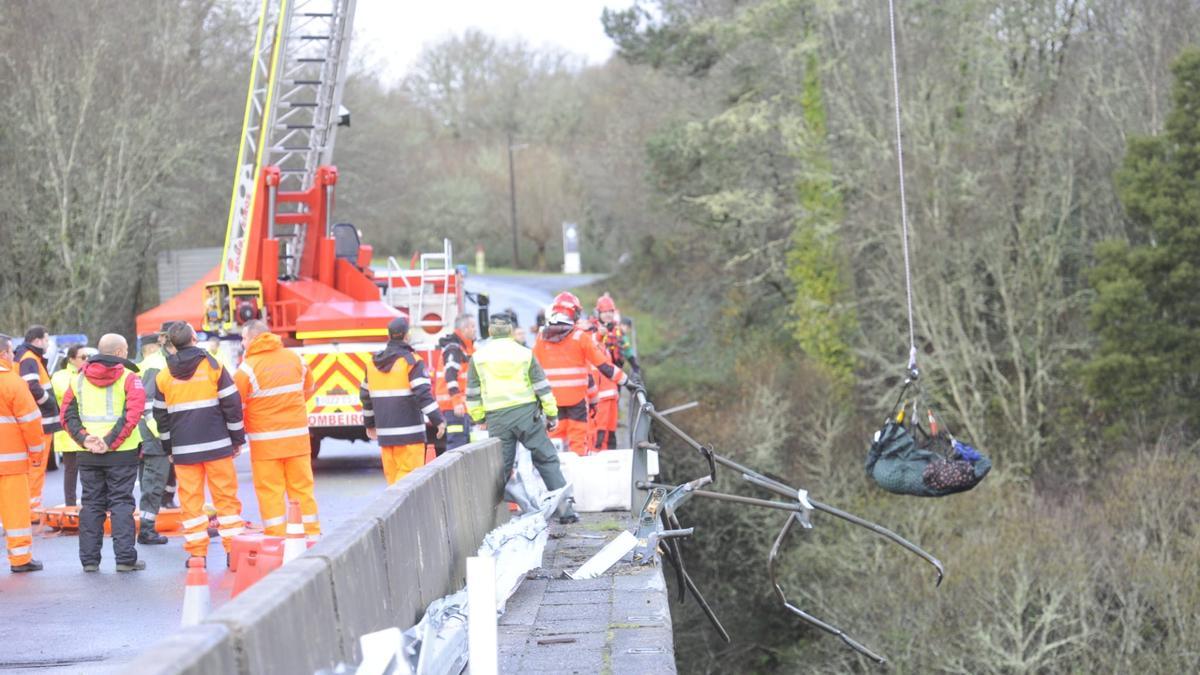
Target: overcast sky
395,31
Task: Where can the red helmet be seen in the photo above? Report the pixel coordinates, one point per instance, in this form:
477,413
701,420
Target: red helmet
567,303
605,304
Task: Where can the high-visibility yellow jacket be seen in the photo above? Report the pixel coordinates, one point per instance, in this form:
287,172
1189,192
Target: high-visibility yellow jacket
504,374
150,367
60,381
106,410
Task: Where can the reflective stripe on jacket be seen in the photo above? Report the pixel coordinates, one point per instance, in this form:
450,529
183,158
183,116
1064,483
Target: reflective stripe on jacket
452,376
275,385
395,403
199,418
20,422
566,365
60,382
150,367
504,374
102,411
33,371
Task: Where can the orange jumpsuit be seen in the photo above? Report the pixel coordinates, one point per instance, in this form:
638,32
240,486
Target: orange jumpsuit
20,444
565,352
275,385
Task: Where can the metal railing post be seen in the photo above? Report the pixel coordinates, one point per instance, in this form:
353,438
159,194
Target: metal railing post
639,440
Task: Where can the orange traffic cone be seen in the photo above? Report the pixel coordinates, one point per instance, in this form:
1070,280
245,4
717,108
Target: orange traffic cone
295,544
196,598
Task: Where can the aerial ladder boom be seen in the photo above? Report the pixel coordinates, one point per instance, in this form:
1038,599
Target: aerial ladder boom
281,207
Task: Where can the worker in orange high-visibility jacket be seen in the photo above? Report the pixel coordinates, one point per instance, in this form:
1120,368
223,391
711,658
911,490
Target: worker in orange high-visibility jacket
619,349
20,445
275,385
198,412
565,351
396,399
451,384
31,362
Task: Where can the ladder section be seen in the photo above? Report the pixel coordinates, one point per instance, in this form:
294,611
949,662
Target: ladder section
291,116
306,112
434,266
429,287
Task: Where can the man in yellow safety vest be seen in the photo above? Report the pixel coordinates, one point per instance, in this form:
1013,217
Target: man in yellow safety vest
507,390
101,412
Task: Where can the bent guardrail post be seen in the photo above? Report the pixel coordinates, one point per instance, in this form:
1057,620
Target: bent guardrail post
639,440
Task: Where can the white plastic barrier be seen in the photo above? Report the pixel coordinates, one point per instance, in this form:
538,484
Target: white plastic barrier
601,481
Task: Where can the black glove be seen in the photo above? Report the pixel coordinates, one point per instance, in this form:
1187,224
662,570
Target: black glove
633,385
551,423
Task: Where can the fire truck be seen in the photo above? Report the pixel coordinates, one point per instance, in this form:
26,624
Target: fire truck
285,259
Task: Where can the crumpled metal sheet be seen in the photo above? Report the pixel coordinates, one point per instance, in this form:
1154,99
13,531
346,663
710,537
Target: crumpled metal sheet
437,645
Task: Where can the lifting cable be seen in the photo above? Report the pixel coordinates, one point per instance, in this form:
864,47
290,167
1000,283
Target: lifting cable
912,335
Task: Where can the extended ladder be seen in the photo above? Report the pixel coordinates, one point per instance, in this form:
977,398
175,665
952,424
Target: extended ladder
293,107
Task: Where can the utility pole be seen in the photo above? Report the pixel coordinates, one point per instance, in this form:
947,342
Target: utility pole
512,202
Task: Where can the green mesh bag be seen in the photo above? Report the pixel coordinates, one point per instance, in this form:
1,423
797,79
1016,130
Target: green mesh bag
899,464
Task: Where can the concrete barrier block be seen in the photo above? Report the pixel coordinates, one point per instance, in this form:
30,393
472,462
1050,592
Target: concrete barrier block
461,503
358,561
286,622
484,464
417,545
198,650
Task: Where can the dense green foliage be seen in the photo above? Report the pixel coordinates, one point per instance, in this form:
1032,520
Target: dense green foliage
1147,309
1033,275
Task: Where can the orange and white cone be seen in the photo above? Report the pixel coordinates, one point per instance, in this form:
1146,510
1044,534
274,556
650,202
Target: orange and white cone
196,597
296,543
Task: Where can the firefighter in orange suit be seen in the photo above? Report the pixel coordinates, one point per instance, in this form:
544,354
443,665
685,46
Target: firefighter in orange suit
565,351
20,446
396,399
275,385
31,362
199,416
451,384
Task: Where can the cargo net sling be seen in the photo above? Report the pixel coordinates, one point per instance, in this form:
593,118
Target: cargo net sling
909,459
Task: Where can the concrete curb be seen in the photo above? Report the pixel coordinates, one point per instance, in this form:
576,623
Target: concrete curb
404,550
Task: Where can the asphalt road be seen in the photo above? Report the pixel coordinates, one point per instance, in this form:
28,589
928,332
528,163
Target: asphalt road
526,294
62,620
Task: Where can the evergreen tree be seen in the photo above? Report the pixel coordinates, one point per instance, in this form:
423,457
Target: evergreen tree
1147,307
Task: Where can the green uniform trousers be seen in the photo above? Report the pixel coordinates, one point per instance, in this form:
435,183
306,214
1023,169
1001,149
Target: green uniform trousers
525,424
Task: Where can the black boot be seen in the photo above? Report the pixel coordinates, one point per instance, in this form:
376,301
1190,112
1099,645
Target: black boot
31,566
148,536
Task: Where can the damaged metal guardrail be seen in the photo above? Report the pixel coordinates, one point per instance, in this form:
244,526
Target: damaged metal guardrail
659,531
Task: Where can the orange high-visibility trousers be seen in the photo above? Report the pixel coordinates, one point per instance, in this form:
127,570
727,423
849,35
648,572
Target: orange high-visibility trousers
37,475
221,477
14,516
400,460
574,433
607,410
293,475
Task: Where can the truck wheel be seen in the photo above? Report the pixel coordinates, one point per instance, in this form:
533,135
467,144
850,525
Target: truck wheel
314,443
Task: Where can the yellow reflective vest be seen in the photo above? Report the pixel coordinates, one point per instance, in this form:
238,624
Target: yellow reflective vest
504,374
100,408
150,366
60,381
